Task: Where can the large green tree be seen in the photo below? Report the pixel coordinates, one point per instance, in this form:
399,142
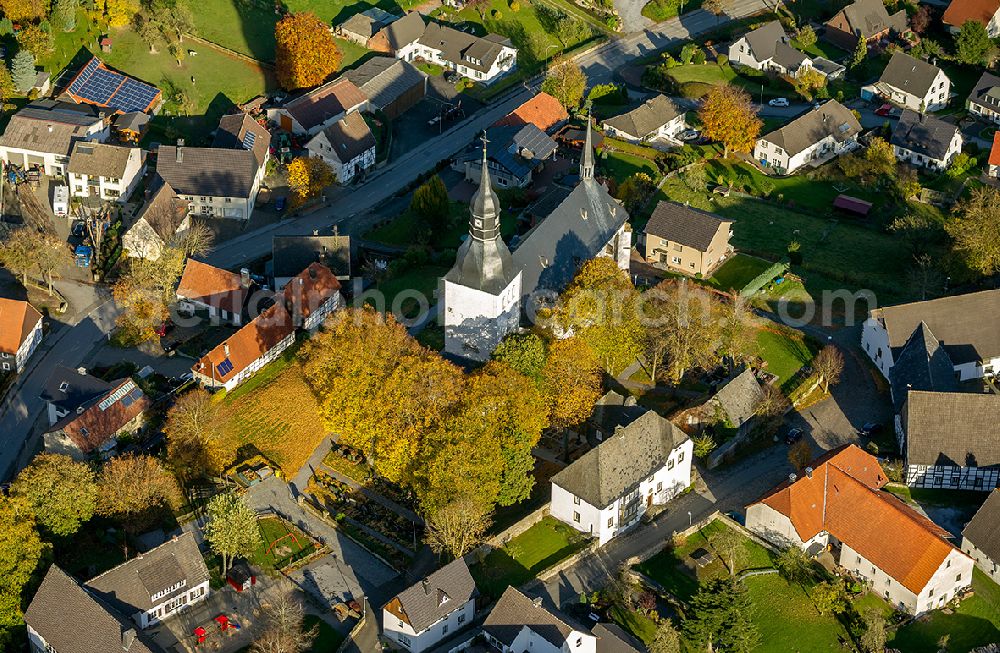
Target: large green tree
973,45
566,82
525,352
431,204
21,553
721,617
62,493
232,528
975,231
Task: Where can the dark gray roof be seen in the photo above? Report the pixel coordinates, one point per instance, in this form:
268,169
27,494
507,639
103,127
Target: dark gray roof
164,212
829,119
611,638
241,132
686,225
435,597
739,398
646,118
869,17
827,67
923,364
293,254
48,126
614,410
909,74
984,528
350,137
80,389
762,41
788,57
72,620
384,79
207,171
130,586
515,611
952,429
100,160
923,134
987,92
133,121
964,324
518,149
367,23
617,464
476,52
404,31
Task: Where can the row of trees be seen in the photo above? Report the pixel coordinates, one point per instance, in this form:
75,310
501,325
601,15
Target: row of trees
28,251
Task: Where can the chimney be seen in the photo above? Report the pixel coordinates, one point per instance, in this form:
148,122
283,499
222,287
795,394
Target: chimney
82,371
426,586
336,230
128,638
315,232
244,278
179,151
792,477
225,348
537,601
583,213
50,129
809,472
312,272
302,281
79,410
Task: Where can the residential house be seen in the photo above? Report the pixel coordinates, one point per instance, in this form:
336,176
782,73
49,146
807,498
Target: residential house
542,111
768,49
157,584
43,133
311,296
985,12
292,254
392,86
65,617
95,426
483,59
922,364
518,624
607,490
658,118
239,131
950,440
925,141
735,404
684,239
347,146
20,333
110,90
221,293
67,390
361,27
963,324
435,608
397,39
981,537
820,134
106,172
162,219
611,412
612,638
252,347
993,163
914,84
984,100
838,508
319,108
513,155
214,181
863,19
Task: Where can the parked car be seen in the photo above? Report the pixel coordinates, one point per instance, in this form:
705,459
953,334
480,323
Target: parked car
165,327
279,204
794,435
870,429
690,135
884,110
779,102
451,76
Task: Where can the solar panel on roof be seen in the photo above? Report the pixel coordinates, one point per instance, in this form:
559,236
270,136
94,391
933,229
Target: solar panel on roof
248,140
225,367
136,394
127,401
98,85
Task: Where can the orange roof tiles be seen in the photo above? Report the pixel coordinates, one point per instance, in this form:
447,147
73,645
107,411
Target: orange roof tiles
212,286
995,150
248,344
542,111
960,11
844,498
309,289
17,321
93,427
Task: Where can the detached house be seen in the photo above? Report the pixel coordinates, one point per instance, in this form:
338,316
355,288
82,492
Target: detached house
221,293
863,19
513,155
392,86
312,295
292,254
767,48
815,137
94,426
518,624
838,508
361,27
925,141
316,110
985,12
687,240
984,100
981,537
159,222
607,490
157,584
215,182
398,37
482,59
347,146
20,333
655,119
437,607
107,172
914,84
963,324
44,132
542,111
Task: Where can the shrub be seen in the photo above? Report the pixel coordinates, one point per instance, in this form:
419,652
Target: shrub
722,60
699,58
497,14
703,445
515,6
688,51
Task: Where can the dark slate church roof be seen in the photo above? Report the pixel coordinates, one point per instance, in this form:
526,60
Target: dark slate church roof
923,364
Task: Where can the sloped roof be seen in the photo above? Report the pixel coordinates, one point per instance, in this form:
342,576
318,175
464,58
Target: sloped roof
130,586
515,611
739,398
72,620
385,79
68,388
103,416
248,344
213,286
844,497
923,364
829,119
326,101
208,171
633,453
960,11
434,597
50,128
788,57
611,638
952,428
987,91
866,18
404,31
909,74
542,111
292,254
683,224
646,118
100,159
350,137
764,39
164,212
964,324
995,150
307,291
241,132
475,52
614,410
367,23
984,528
924,134
17,321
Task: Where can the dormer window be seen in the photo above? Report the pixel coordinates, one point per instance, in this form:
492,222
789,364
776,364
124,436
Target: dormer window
442,597
64,386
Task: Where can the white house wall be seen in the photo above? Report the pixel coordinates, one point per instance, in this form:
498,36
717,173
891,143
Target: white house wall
988,566
875,342
402,633
947,477
954,575
771,525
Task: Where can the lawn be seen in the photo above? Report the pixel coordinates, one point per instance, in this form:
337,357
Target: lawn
539,547
621,165
639,625
422,278
281,544
408,228
738,271
976,622
787,620
713,73
784,353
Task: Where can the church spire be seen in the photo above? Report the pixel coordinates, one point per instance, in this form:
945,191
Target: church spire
587,158
484,221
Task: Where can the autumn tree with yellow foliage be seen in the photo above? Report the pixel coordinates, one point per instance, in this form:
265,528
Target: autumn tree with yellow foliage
307,177
305,52
728,116
571,378
22,10
144,293
120,12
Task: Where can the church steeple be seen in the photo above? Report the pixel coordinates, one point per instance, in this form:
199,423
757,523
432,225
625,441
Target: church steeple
484,209
587,158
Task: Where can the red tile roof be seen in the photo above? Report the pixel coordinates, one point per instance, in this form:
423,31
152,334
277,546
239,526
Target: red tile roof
325,102
212,286
104,418
308,290
844,498
542,111
247,345
960,11
17,321
995,150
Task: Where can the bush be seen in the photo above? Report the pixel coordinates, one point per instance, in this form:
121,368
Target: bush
688,52
497,14
695,90
515,6
722,60
699,58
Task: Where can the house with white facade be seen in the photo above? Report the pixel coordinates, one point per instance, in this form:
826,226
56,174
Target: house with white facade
963,324
220,293
984,100
985,12
158,584
43,134
433,609
162,219
658,118
815,137
483,59
311,296
838,508
314,111
914,84
981,537
518,624
925,141
607,490
347,146
106,172
20,333
93,426
768,48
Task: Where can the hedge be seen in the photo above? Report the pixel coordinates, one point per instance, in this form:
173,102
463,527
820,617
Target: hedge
764,278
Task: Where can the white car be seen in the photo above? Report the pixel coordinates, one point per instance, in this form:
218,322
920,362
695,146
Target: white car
779,102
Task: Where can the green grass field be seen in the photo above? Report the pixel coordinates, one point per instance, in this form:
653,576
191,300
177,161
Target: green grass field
660,10
785,354
621,165
787,619
281,544
976,622
422,279
738,271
